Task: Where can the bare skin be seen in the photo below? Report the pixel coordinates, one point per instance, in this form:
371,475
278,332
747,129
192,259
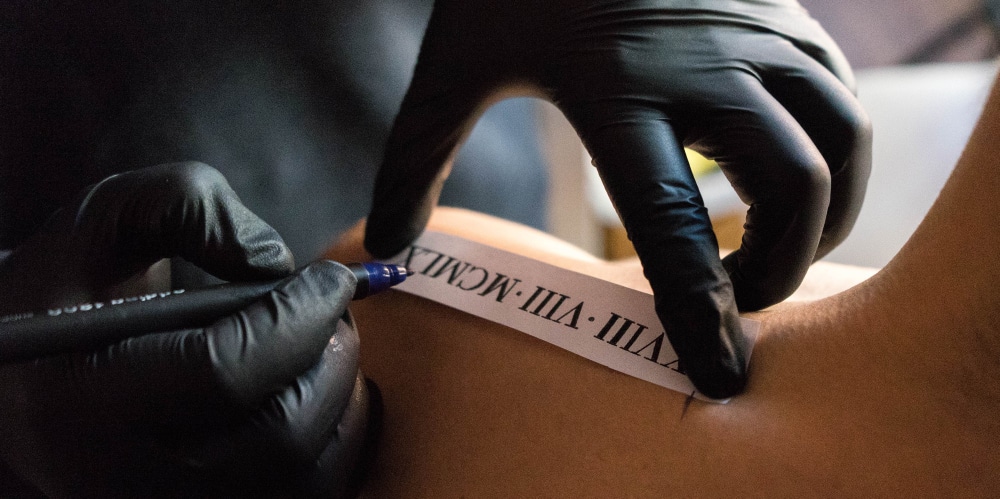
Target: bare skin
890,388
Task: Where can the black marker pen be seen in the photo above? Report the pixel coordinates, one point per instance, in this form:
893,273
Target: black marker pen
29,335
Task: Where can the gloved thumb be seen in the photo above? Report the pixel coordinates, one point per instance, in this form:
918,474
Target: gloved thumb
178,209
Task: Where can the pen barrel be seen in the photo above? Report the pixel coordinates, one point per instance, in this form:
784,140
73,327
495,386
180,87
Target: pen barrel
363,276
87,326
100,323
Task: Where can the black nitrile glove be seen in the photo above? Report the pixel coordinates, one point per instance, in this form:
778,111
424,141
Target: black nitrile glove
754,84
266,402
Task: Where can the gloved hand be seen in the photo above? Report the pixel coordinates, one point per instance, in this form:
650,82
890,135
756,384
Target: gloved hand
754,84
268,401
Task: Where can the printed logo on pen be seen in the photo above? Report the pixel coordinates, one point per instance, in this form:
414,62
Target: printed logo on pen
16,317
86,307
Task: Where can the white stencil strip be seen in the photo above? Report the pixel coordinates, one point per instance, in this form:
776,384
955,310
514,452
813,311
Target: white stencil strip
607,323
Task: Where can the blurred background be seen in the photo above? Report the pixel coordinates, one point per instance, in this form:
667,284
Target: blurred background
293,102
923,70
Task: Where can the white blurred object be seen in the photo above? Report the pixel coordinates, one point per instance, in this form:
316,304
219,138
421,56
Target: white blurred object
921,118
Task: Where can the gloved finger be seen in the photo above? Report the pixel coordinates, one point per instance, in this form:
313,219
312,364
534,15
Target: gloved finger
278,447
651,186
810,38
230,365
285,434
259,350
342,467
777,170
785,20
837,125
180,209
445,97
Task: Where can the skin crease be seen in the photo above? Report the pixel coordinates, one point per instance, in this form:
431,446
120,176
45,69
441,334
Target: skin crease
888,388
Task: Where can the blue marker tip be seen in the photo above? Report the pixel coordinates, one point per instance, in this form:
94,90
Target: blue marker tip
376,277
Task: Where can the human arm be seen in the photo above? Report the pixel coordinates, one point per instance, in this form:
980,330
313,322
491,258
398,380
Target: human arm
755,85
847,397
267,399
